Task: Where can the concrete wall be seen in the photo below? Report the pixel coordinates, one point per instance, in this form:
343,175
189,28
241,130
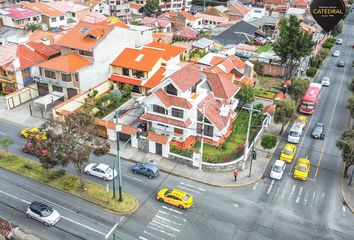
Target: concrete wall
20,96
275,70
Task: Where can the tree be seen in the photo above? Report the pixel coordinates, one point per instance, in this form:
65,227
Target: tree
337,29
152,7
268,142
350,106
346,144
351,86
33,27
246,94
5,143
292,43
298,87
72,141
285,111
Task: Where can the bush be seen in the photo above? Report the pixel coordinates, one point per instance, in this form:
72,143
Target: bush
27,166
311,72
324,53
56,174
329,43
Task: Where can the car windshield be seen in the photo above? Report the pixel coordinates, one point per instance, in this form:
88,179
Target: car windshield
287,152
294,134
168,192
302,168
277,169
308,106
47,211
186,197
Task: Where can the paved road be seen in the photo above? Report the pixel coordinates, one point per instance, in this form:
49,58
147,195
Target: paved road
285,209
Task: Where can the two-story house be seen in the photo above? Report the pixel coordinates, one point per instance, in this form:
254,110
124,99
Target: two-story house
87,51
209,21
10,34
175,5
73,11
19,17
186,102
158,25
98,6
52,17
144,67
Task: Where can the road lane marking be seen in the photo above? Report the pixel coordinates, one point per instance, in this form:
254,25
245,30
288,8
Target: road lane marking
255,186
167,220
313,198
176,217
143,238
270,186
22,200
172,210
299,195
276,192
292,192
166,226
343,207
284,191
189,189
136,179
188,185
305,198
158,230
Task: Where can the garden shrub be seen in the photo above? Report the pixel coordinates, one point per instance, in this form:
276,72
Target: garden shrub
311,72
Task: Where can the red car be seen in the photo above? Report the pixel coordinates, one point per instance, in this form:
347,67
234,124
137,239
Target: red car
28,148
260,41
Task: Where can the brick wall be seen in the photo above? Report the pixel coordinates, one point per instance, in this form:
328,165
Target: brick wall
276,70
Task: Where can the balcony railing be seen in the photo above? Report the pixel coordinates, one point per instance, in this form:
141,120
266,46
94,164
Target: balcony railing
61,83
7,79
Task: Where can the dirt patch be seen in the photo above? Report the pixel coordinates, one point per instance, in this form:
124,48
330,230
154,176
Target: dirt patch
269,83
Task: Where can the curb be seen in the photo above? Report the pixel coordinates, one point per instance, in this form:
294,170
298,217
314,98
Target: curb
345,201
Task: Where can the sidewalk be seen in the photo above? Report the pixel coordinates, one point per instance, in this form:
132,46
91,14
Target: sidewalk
221,179
348,191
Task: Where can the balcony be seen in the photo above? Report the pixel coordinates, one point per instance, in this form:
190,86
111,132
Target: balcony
61,83
8,79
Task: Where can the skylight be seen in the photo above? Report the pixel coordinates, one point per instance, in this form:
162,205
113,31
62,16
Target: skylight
139,57
84,29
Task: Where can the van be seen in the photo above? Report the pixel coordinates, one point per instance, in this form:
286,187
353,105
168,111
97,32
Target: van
295,132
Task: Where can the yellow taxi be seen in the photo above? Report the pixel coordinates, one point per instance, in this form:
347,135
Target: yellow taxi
302,119
30,132
175,197
302,169
288,153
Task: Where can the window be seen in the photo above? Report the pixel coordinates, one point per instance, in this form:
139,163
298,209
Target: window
125,71
194,88
73,14
54,19
200,118
41,71
49,74
170,89
61,18
86,53
177,112
138,74
159,109
136,89
66,77
76,76
208,130
162,125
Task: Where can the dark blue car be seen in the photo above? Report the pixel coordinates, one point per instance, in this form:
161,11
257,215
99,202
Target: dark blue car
146,169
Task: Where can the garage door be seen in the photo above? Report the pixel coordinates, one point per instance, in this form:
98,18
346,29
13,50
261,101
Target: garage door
124,137
158,148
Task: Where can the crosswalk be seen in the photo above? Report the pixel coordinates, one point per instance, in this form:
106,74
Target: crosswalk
169,221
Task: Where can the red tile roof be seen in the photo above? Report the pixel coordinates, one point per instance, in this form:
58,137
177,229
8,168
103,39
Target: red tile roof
127,80
166,120
43,8
169,100
275,2
154,22
45,50
69,63
130,130
300,3
18,12
222,85
158,138
143,59
156,78
170,50
247,81
186,77
279,96
211,18
84,35
186,33
135,6
239,7
38,35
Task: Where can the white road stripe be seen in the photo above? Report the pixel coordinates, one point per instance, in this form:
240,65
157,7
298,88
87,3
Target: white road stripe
1,133
136,179
143,238
188,185
284,191
292,192
276,192
255,186
299,195
167,220
343,207
15,197
305,198
173,210
270,186
160,231
166,226
188,189
176,217
313,198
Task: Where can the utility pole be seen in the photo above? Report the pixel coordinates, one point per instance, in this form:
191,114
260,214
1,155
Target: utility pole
202,142
247,139
254,157
118,129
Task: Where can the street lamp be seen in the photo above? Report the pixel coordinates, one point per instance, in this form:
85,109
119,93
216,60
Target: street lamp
351,153
118,129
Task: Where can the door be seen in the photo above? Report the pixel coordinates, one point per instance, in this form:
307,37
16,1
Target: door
42,89
71,92
158,148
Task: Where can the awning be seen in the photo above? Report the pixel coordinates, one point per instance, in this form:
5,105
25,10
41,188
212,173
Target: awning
48,99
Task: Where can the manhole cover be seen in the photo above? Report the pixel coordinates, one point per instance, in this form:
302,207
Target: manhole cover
236,205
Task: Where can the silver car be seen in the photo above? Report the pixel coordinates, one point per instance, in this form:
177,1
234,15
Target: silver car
43,213
100,170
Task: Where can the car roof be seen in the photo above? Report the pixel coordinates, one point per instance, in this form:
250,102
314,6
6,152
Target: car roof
279,163
296,126
102,166
319,124
178,193
38,206
150,166
289,145
303,160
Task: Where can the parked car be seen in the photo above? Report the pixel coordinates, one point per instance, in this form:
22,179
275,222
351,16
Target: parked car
37,151
30,132
339,41
302,120
302,169
242,55
325,81
295,133
260,41
336,53
100,170
146,169
288,153
43,213
340,63
175,197
318,130
277,170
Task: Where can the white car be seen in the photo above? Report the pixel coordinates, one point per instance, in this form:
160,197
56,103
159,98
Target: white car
43,213
339,41
336,53
277,170
100,170
325,81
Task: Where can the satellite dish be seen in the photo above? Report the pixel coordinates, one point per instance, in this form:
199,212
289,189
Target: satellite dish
44,27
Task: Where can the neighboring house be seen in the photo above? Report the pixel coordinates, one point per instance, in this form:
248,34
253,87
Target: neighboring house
295,11
47,38
209,21
240,32
17,62
238,11
175,5
177,108
19,17
73,11
94,17
144,67
52,17
266,24
185,34
203,44
219,11
11,34
276,5
87,51
180,19
257,13
98,6
157,24
299,4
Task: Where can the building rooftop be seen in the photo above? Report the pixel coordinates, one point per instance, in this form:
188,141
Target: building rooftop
43,8
67,6
69,63
19,12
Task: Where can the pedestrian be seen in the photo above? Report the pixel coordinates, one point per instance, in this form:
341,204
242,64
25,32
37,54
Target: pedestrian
235,174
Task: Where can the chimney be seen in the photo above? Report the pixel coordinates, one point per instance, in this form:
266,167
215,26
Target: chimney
248,71
45,41
224,110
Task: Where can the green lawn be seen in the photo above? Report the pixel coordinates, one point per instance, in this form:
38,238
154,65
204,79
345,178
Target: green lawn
69,183
264,48
259,92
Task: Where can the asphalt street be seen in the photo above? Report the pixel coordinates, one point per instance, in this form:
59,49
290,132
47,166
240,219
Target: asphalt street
268,209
